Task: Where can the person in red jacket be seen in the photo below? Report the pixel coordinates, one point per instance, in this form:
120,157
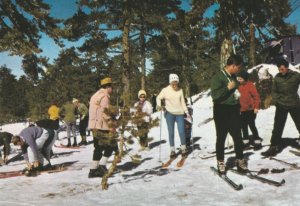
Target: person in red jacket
249,101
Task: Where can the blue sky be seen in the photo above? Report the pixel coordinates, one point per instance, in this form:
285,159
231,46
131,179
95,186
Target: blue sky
65,9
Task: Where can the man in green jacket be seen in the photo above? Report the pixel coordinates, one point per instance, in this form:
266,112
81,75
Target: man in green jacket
83,112
226,112
68,114
286,99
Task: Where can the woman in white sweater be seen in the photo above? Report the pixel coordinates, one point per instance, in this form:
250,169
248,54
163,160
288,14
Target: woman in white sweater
175,108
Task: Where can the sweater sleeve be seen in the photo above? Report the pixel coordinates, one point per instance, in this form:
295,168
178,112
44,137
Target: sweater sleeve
160,97
255,96
274,91
103,105
219,91
149,108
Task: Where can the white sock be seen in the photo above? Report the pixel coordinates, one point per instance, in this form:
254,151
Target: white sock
183,147
103,160
172,149
94,165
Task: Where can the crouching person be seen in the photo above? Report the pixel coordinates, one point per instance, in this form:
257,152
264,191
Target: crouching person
36,144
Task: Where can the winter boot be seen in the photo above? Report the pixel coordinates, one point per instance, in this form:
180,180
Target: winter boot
83,141
184,153
272,151
75,143
257,144
221,167
173,155
102,170
241,165
69,143
95,173
246,143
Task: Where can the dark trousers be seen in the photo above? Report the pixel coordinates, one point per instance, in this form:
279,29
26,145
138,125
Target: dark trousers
143,130
228,120
100,148
248,120
83,125
280,120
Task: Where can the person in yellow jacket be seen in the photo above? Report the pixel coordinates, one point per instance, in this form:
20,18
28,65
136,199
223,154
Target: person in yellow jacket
53,113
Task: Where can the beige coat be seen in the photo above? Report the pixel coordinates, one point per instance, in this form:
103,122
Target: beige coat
97,118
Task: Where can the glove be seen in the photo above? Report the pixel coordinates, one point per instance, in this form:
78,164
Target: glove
28,165
36,164
160,108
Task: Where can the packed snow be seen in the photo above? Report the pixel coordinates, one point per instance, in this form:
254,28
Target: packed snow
145,184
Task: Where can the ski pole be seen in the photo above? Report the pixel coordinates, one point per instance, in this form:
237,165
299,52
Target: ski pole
293,165
160,126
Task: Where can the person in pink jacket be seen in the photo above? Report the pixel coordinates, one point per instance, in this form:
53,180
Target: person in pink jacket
249,101
104,136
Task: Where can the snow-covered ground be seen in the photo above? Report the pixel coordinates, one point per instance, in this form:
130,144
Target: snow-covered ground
193,184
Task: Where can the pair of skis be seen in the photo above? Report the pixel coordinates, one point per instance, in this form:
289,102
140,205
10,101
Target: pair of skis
249,175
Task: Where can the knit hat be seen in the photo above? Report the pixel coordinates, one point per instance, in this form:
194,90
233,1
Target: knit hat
244,75
142,92
173,77
105,81
74,100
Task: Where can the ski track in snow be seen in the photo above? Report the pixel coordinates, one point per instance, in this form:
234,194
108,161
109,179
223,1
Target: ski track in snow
193,184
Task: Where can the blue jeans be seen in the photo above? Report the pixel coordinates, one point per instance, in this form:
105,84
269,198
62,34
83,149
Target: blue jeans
171,119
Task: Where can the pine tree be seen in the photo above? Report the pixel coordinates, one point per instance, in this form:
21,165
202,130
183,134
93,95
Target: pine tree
126,122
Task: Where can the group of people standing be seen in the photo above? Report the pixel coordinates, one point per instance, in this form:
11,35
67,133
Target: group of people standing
235,106
236,103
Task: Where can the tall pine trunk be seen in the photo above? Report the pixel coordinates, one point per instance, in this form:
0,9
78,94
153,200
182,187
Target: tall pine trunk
143,56
226,51
126,63
252,46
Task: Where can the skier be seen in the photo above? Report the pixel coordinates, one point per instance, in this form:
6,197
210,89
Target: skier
143,108
5,138
67,113
286,99
105,140
226,112
174,112
249,101
36,144
84,117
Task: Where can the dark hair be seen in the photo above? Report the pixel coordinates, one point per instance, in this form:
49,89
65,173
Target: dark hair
283,62
15,139
234,59
105,86
244,74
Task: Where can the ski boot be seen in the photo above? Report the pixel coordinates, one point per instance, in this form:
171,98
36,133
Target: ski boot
99,172
246,143
173,155
241,165
221,167
272,151
184,153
